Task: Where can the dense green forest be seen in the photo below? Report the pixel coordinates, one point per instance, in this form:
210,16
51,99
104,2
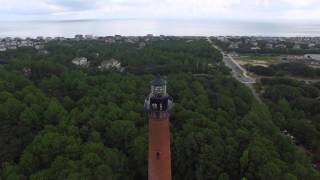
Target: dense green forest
286,69
60,121
295,104
296,108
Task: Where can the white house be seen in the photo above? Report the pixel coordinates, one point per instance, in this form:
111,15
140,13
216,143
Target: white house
108,64
81,61
311,45
255,48
234,46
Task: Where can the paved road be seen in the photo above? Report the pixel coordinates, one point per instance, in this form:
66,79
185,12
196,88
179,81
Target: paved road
238,72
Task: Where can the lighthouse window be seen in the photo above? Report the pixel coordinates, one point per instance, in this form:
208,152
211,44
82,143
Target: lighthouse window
158,155
158,90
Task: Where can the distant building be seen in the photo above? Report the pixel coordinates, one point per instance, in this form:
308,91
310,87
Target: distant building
129,41
44,52
60,38
223,39
269,46
3,48
255,48
47,39
23,43
110,64
142,45
27,71
39,38
12,47
78,37
89,37
118,37
313,56
281,46
38,46
234,46
254,43
110,40
162,37
311,45
297,46
81,61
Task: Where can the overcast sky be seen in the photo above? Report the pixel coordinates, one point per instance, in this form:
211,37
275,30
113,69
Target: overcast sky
159,9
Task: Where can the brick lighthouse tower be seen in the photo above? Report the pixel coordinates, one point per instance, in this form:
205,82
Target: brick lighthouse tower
158,104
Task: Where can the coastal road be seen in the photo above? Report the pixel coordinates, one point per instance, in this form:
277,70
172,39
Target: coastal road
238,72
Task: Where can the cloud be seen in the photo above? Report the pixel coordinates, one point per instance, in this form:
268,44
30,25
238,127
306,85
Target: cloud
301,3
182,9
73,5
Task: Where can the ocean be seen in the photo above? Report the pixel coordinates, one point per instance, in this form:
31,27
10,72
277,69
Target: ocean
158,27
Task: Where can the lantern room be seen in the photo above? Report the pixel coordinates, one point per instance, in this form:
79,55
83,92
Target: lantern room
158,87
158,99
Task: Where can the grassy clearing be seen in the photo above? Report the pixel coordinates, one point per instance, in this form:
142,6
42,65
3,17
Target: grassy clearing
257,57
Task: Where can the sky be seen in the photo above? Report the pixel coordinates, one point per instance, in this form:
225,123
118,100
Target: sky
295,10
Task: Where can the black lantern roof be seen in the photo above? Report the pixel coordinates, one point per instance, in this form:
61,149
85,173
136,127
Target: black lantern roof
158,81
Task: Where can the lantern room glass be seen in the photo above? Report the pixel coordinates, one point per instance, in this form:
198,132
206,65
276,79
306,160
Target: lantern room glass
158,90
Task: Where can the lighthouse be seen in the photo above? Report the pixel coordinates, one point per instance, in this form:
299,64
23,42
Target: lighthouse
158,104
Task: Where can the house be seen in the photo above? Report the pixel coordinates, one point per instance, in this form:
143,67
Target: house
223,39
281,46
109,40
254,43
297,46
142,45
60,38
129,41
162,37
44,52
255,48
3,48
47,39
12,47
89,37
27,71
110,64
23,43
311,45
269,46
38,46
234,46
8,39
78,37
40,38
118,37
81,61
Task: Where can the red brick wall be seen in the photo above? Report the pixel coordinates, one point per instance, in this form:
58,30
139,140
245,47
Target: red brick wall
159,164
